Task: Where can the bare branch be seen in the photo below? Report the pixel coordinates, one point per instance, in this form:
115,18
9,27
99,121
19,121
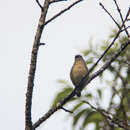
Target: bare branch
72,94
109,14
62,11
119,10
32,70
39,4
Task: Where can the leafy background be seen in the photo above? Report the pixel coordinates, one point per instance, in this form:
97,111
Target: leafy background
89,109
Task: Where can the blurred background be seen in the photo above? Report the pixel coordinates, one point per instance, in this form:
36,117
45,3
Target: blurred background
65,37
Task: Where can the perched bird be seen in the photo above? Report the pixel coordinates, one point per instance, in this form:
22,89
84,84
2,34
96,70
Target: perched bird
78,71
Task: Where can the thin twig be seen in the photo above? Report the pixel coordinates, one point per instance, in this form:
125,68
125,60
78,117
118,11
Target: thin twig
41,44
106,114
72,94
66,110
109,14
54,1
37,1
62,11
119,10
126,62
125,29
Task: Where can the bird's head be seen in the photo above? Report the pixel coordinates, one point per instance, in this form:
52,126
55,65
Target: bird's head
78,56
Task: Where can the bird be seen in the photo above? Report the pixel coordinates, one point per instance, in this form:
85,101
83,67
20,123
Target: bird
78,71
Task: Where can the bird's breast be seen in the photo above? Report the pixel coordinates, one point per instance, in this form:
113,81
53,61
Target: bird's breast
78,72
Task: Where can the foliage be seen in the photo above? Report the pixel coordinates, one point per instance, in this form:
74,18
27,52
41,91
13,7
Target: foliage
119,84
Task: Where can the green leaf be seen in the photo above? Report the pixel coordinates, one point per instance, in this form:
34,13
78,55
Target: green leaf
77,106
123,39
89,95
98,126
105,45
89,61
113,34
99,91
124,101
86,52
80,114
92,117
61,81
61,95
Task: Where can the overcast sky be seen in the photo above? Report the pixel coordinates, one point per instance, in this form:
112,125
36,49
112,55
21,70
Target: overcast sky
65,37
